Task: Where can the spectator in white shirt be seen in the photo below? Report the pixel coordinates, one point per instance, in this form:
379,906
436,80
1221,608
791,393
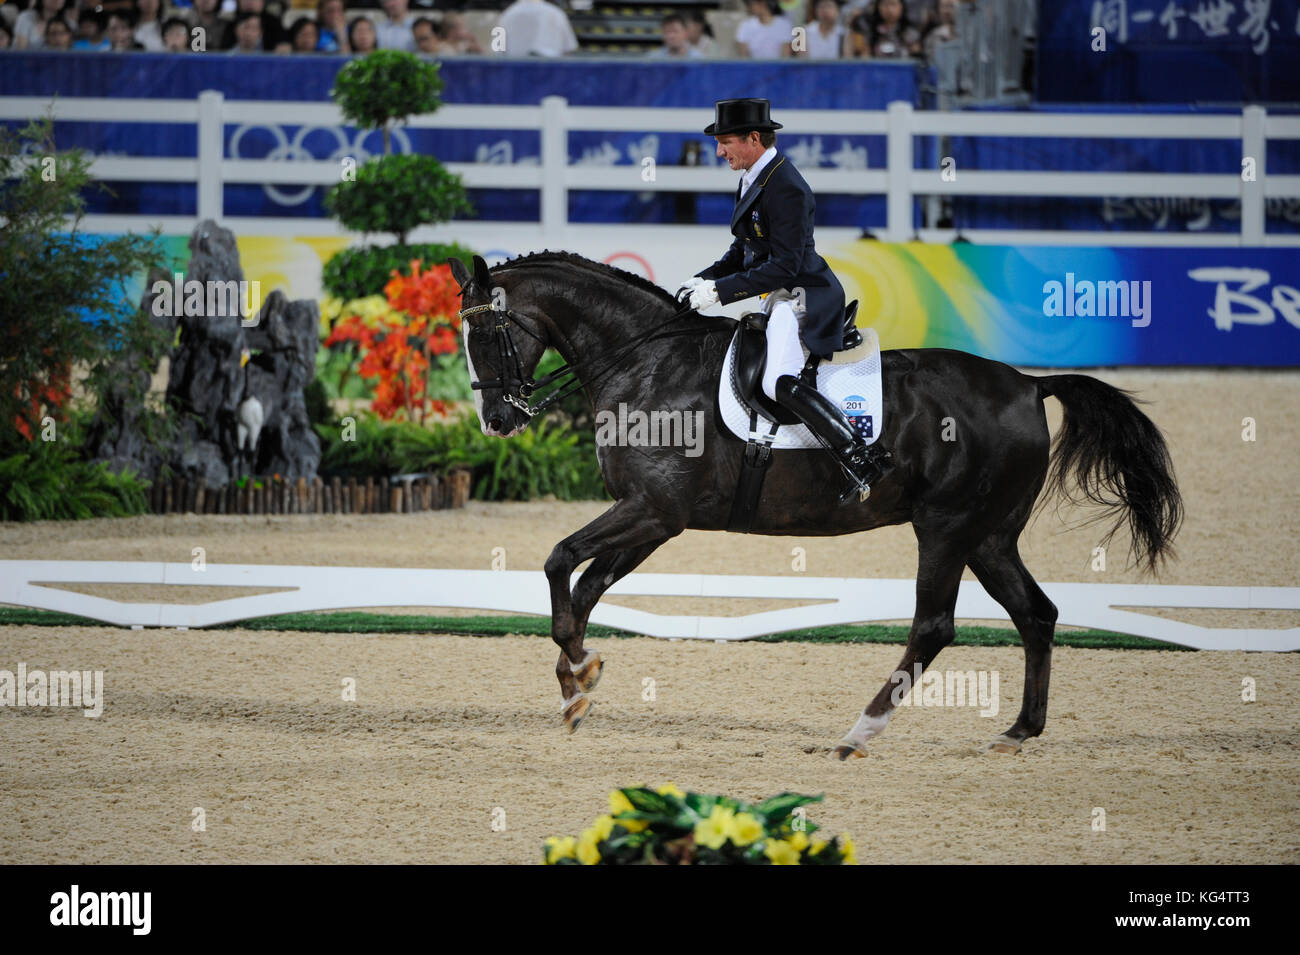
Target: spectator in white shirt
395,32
676,41
763,35
538,28
29,28
148,26
824,35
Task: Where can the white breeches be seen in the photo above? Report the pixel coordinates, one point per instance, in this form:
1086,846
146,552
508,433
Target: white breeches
784,353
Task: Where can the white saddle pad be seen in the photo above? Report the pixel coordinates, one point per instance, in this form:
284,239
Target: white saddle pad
851,379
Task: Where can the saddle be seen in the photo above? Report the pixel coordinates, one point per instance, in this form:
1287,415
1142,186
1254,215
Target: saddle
751,359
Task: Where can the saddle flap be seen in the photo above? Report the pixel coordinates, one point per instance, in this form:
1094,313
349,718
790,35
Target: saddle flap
747,369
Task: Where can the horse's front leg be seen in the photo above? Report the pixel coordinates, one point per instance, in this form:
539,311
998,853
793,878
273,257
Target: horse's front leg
619,539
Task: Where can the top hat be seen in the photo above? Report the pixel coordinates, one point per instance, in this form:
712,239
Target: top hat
740,115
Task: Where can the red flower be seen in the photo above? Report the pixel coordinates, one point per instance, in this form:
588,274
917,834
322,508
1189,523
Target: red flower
396,355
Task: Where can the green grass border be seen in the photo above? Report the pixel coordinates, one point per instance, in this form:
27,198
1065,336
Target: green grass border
360,622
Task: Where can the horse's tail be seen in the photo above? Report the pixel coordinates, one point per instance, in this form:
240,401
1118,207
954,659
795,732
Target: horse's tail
1117,458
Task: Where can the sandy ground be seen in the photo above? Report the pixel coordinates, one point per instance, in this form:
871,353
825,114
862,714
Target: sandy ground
251,728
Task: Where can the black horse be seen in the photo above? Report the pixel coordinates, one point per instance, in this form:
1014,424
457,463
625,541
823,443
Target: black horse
970,450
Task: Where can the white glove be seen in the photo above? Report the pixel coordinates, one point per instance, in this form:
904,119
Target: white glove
690,285
704,295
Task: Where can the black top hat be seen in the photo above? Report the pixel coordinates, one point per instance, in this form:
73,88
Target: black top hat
740,115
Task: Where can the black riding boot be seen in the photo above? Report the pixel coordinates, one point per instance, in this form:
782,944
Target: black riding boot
863,461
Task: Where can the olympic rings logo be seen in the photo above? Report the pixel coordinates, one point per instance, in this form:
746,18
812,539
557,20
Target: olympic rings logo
295,150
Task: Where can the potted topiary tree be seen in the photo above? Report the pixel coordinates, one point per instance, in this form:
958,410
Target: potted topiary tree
392,193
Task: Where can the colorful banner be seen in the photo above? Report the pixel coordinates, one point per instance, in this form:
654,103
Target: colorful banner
1063,306
1038,306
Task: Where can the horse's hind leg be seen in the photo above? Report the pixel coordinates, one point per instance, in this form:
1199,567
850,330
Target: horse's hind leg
999,568
937,581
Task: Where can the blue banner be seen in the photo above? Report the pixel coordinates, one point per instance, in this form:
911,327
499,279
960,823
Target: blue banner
1169,51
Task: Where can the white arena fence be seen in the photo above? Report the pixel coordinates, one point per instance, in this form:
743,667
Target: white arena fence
846,600
554,118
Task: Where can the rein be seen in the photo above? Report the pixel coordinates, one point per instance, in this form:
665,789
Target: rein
517,388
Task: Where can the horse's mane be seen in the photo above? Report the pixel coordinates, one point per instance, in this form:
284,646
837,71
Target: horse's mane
547,257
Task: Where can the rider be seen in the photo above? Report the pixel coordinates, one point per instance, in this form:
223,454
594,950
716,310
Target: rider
773,255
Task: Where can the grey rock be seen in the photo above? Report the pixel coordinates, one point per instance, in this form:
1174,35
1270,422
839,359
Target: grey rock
209,379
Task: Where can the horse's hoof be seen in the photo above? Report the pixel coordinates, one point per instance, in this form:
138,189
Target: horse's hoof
1003,744
846,751
588,675
575,711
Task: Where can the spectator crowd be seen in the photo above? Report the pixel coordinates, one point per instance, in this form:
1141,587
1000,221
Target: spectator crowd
767,29
231,26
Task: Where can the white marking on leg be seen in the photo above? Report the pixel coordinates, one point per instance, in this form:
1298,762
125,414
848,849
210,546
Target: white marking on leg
865,728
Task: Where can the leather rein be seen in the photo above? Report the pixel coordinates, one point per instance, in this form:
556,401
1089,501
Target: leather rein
517,388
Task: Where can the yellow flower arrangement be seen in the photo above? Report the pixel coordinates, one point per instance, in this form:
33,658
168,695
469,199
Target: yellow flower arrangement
846,846
745,829
715,830
619,803
558,848
781,852
668,826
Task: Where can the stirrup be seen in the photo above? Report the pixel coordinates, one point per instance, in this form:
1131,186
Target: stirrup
856,484
858,487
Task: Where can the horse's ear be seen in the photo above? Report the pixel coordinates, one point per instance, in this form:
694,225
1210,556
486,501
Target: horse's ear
481,274
459,272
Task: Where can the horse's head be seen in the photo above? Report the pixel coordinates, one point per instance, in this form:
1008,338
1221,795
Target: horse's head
503,344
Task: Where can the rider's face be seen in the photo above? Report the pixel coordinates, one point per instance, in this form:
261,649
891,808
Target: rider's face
740,152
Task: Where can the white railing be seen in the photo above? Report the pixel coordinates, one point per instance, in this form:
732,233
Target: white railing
555,175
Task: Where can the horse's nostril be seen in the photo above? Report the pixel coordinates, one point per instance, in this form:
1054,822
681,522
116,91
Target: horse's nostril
494,423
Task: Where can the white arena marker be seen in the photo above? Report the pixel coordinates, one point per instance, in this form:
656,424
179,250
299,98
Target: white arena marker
846,600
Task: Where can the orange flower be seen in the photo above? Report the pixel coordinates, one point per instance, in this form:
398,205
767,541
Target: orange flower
394,348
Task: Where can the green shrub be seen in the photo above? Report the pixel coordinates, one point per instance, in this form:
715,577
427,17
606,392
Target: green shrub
547,459
62,305
364,270
396,194
385,87
47,481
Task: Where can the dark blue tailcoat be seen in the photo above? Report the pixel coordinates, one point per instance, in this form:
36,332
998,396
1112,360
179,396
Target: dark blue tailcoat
773,226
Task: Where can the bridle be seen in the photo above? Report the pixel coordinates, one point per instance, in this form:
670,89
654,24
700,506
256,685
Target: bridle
517,388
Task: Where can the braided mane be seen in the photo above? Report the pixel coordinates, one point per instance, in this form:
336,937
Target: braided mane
547,257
